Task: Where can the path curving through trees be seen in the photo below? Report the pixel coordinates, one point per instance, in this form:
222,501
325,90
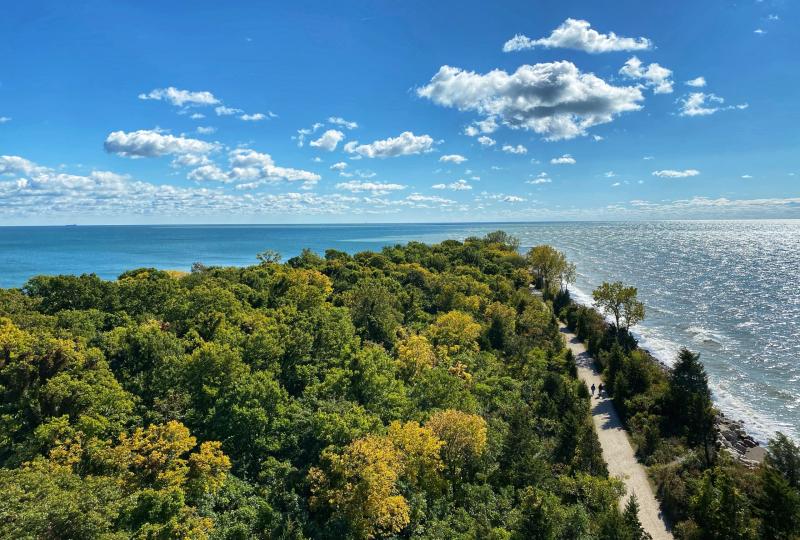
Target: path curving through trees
617,450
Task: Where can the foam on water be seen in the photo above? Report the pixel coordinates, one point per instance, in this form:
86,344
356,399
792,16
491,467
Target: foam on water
722,289
759,425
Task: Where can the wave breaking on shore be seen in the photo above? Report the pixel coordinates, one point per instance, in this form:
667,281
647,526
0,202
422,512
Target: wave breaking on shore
665,350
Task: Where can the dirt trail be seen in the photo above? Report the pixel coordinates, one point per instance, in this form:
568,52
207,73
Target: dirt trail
617,450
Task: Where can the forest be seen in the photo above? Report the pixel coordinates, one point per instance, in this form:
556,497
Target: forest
419,392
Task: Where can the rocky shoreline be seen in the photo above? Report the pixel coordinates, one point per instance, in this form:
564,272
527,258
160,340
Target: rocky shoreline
733,439
731,435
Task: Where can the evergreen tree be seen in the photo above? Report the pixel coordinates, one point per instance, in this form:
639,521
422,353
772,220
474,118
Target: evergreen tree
779,506
631,518
689,401
784,456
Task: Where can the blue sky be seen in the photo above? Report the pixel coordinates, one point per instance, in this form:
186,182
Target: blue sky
283,112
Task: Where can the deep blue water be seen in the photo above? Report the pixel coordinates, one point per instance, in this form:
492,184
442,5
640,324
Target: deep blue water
728,289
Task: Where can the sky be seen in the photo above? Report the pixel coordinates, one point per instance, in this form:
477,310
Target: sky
131,112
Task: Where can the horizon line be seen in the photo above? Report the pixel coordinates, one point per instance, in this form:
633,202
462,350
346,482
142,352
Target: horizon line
380,223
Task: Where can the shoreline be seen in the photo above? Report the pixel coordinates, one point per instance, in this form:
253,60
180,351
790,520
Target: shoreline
663,348
731,435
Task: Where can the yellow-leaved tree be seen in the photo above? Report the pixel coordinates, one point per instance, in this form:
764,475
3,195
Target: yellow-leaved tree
414,356
454,332
361,485
419,449
464,436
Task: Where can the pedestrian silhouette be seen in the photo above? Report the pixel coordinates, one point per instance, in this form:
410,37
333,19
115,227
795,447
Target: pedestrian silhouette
600,389
593,388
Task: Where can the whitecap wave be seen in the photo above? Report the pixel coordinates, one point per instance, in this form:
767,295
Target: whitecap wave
665,350
705,336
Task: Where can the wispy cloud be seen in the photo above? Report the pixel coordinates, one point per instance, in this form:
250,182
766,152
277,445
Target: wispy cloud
702,104
180,98
671,173
458,185
376,188
339,121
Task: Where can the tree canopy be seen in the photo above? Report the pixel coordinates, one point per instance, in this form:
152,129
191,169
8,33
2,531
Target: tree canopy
621,302
418,392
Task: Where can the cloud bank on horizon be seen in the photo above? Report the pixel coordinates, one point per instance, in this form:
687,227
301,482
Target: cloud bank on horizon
602,116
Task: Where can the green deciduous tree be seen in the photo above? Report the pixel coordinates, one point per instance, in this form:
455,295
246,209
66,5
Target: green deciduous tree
621,302
375,311
550,266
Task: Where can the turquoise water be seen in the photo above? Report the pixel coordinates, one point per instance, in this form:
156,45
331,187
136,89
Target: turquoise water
728,289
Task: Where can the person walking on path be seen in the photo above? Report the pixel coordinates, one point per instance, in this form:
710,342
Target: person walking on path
601,386
617,450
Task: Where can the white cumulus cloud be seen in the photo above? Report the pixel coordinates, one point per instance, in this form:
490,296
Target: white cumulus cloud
256,117
552,99
566,159
16,165
579,34
403,145
453,158
486,141
697,82
329,140
37,190
419,198
250,167
519,149
190,160
152,143
653,75
541,178
209,173
247,164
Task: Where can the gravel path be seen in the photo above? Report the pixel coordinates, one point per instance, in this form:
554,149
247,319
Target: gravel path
617,450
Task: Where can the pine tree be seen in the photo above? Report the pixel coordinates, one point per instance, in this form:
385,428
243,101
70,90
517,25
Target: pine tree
631,518
779,506
690,404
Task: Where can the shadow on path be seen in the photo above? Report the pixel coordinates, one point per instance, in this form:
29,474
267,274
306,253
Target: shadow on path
618,452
